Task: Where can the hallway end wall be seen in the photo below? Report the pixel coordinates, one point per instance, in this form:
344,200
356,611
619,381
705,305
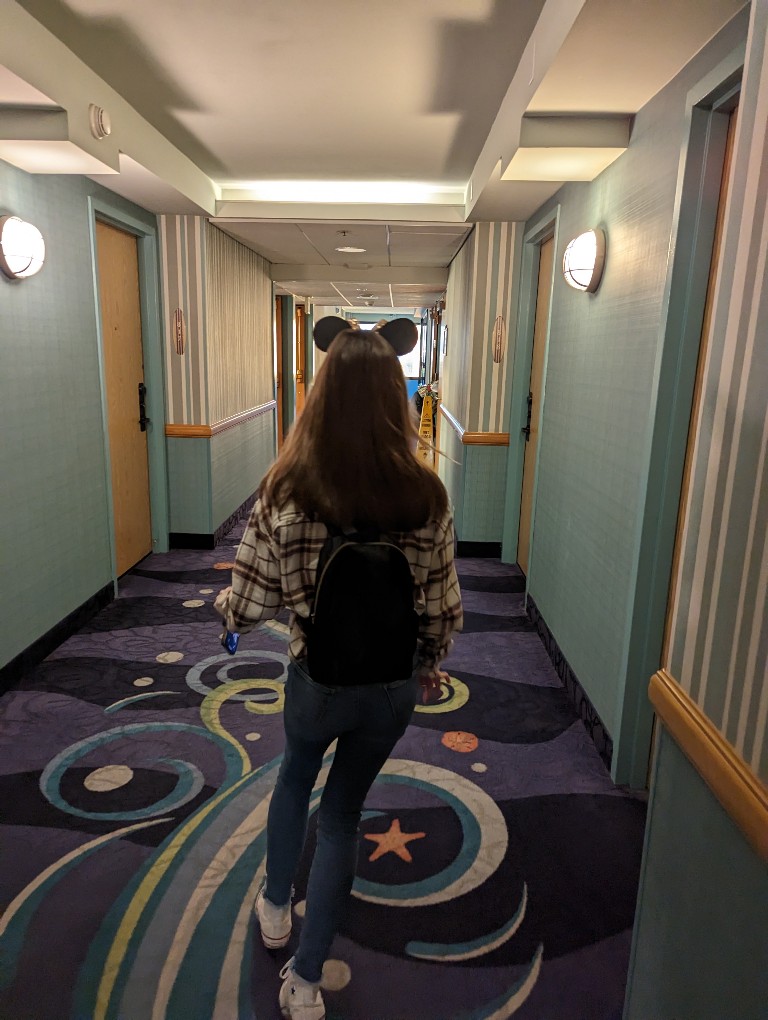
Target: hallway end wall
54,509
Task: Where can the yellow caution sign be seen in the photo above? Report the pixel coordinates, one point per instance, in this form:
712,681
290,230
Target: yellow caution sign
426,437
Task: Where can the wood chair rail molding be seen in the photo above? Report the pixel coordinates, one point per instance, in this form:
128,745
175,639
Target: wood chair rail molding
474,438
743,795
206,431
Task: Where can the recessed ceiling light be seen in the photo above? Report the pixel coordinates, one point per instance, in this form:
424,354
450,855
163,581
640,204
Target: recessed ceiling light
351,249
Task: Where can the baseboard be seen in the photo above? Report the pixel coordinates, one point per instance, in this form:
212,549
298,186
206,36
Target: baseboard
190,540
34,654
594,724
481,550
242,511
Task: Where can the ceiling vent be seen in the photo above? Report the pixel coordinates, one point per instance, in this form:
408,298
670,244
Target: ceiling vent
101,125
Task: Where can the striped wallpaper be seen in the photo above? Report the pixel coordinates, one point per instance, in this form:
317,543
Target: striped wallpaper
222,291
457,317
238,292
719,626
481,291
182,262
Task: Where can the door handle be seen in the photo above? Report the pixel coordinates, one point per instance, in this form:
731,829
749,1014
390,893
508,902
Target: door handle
143,420
526,429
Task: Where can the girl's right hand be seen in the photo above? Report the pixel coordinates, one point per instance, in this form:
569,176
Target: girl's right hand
430,680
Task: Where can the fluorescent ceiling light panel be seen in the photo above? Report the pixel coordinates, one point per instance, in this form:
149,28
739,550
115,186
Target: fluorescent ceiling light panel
349,192
559,164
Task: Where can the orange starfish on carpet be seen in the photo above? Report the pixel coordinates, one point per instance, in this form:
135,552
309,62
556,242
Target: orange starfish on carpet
393,841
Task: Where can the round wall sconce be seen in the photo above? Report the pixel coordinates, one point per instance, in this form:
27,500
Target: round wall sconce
22,248
583,260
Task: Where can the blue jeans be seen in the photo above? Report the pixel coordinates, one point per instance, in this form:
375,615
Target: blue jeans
368,721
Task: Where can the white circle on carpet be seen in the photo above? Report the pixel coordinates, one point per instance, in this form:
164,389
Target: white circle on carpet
206,591
253,736
170,656
143,681
109,777
479,767
193,603
336,975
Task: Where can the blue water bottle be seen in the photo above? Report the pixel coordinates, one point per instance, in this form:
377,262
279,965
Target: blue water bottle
229,640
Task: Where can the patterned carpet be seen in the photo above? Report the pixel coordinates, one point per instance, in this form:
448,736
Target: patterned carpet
498,867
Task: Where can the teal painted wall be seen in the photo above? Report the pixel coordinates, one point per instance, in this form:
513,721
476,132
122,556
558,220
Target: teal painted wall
701,931
189,486
700,947
54,518
475,478
240,457
602,367
208,479
450,468
485,479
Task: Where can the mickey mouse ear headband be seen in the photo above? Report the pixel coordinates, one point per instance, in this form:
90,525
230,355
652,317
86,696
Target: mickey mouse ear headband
401,334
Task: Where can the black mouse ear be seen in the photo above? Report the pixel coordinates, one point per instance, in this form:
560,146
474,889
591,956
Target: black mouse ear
402,334
327,329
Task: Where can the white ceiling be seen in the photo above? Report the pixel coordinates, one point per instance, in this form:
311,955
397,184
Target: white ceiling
208,99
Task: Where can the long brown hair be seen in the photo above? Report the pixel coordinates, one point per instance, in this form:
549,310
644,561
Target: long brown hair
350,459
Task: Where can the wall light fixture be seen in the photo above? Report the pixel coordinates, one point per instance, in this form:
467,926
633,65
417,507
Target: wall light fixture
22,248
584,259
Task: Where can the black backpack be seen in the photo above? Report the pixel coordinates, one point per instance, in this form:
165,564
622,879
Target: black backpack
364,627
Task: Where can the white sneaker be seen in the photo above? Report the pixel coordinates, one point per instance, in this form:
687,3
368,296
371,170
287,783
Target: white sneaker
299,1000
275,922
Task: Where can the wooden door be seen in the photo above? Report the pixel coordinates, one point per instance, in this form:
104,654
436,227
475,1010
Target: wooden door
118,265
543,298
301,347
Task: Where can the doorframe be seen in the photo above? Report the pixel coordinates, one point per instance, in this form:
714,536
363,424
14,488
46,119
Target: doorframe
288,339
547,225
693,230
154,369
277,364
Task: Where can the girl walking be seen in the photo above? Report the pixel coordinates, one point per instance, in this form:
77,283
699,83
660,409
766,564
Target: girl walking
348,465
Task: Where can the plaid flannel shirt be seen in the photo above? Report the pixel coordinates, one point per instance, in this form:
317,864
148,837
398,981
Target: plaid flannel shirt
276,565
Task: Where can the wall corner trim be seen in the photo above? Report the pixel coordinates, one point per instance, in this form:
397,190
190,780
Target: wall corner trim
188,431
741,793
206,431
473,438
485,439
